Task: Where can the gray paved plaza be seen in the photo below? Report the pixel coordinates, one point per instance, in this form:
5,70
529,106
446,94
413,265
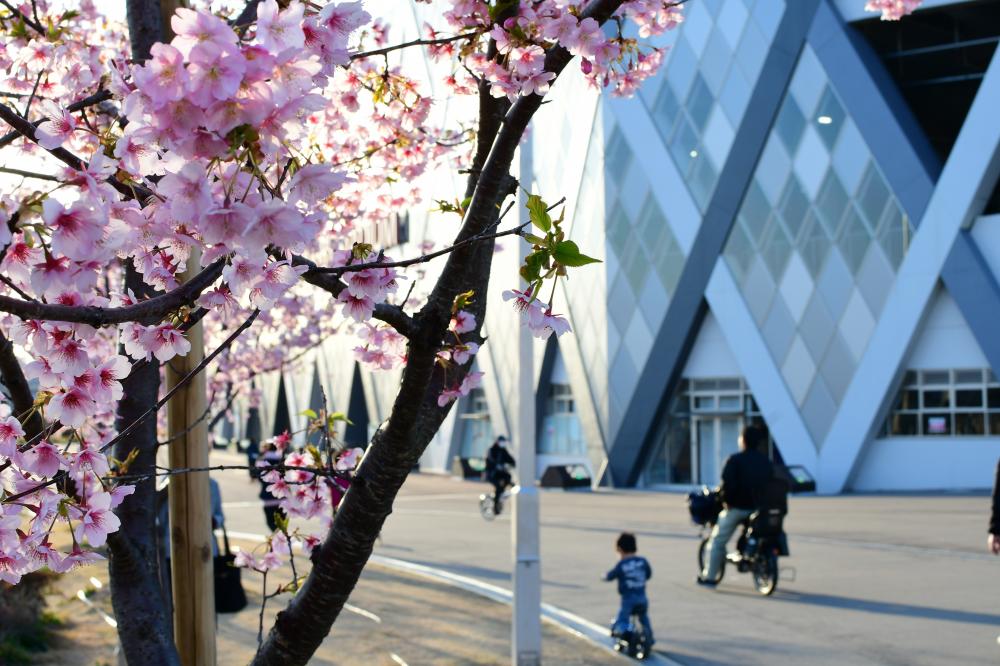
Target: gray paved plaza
877,579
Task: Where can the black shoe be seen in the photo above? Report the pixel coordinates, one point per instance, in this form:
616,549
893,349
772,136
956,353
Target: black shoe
705,582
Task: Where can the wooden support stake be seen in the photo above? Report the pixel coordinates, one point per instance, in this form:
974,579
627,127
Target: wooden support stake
192,580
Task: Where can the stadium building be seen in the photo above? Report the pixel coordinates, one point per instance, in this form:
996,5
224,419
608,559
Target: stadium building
799,224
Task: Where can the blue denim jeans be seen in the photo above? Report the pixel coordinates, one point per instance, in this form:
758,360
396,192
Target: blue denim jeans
622,624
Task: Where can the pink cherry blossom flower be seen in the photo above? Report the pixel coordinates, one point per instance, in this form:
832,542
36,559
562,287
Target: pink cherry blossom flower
187,192
163,79
10,431
119,493
277,31
343,18
165,342
349,459
90,457
97,521
75,230
197,27
108,386
78,558
57,129
43,459
358,309
462,353
71,407
215,72
136,153
315,182
462,322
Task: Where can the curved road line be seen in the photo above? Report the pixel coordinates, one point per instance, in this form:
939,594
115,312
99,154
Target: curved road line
562,618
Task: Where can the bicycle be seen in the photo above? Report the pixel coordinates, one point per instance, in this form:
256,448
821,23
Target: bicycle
486,504
633,641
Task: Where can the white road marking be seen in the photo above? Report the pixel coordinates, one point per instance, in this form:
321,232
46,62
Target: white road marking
363,613
399,660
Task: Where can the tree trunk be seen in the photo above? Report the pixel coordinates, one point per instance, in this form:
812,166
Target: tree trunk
138,599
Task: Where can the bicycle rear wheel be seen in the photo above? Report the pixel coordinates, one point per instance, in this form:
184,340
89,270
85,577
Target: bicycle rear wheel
486,507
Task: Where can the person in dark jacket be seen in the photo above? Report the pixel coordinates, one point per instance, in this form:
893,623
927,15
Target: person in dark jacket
993,540
744,479
497,460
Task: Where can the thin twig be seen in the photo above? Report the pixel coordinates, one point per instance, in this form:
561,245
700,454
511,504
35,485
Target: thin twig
351,268
415,42
30,174
34,25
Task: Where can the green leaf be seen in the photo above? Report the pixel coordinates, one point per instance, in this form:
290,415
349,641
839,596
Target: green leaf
533,263
308,413
340,416
534,240
568,254
539,216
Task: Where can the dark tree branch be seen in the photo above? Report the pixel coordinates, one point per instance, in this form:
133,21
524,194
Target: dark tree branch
415,417
12,376
96,98
28,21
147,312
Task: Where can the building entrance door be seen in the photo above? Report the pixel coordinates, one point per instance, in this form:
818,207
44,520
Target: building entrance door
715,439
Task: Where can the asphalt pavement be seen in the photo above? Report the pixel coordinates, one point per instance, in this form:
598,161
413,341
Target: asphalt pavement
872,579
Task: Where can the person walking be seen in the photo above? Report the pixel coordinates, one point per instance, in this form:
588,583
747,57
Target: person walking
744,478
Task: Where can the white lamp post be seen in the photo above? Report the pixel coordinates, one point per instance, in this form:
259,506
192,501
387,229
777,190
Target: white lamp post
526,625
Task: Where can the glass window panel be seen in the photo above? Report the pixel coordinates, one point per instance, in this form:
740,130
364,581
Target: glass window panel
703,180
794,206
704,385
937,424
993,397
617,156
831,202
790,124
873,196
936,398
903,424
685,142
969,376
755,210
829,118
968,397
704,403
891,236
970,423
994,423
935,376
908,399
652,224
700,102
730,403
854,239
729,384
910,378
739,251
678,445
665,110
618,229
776,250
814,244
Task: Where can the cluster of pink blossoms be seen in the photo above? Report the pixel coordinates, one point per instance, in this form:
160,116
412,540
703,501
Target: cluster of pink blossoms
536,315
608,61
301,494
892,10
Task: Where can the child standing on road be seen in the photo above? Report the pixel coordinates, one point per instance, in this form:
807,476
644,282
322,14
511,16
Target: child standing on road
632,572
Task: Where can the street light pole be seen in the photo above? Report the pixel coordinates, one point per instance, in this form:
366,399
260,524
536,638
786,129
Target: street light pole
526,624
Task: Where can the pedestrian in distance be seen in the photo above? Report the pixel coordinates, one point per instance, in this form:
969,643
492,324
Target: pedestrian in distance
993,540
744,480
631,572
497,460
